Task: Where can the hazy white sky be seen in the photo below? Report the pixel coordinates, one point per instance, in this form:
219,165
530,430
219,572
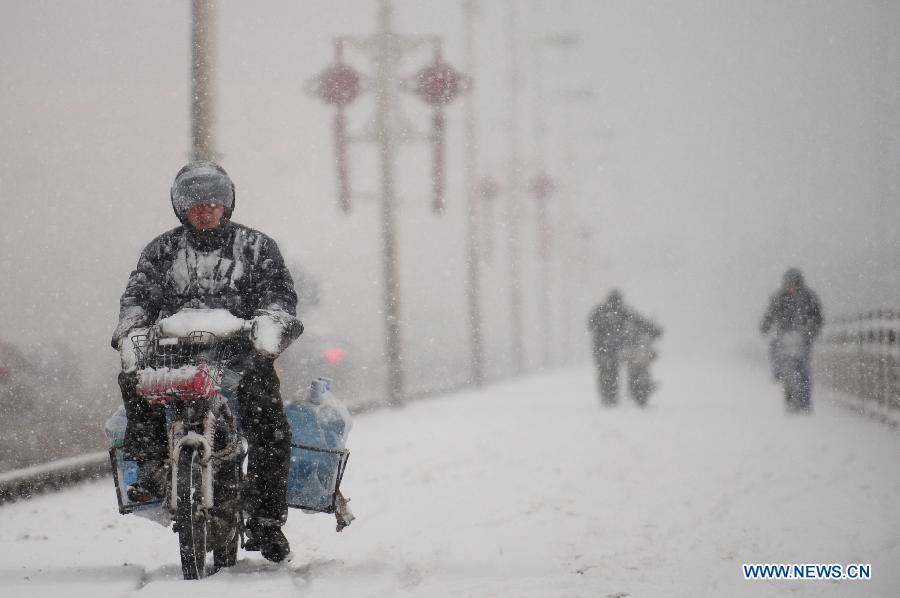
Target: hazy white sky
725,141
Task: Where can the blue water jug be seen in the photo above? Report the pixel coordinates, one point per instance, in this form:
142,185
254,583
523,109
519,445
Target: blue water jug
319,426
115,428
126,468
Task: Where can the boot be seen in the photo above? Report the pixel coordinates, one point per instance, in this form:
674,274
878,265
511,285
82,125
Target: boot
151,483
267,538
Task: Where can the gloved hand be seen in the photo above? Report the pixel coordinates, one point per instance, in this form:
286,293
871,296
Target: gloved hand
273,331
127,352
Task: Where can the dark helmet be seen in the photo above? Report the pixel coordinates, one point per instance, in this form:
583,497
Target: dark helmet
793,277
614,298
198,182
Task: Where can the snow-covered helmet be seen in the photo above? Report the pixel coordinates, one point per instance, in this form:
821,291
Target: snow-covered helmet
793,277
202,181
614,298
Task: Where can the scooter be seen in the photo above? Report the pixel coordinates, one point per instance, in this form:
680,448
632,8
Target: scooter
790,364
186,370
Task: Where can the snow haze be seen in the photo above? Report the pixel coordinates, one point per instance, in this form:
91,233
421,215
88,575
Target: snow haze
722,143
697,150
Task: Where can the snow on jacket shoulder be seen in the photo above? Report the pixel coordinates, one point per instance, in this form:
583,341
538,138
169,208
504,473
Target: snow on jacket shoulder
614,326
800,311
233,267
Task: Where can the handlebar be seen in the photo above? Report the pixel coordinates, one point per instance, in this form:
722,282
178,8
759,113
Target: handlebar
219,322
269,333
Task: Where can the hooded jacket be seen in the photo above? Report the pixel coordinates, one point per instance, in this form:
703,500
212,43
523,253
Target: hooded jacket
232,267
800,311
615,326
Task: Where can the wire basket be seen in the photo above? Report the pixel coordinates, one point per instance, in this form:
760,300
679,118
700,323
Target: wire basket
188,367
314,477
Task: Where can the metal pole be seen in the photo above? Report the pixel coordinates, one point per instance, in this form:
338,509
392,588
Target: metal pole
473,251
543,217
385,126
885,197
567,236
513,190
203,39
545,282
567,232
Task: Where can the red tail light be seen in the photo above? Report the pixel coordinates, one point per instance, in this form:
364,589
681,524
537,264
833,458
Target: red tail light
334,355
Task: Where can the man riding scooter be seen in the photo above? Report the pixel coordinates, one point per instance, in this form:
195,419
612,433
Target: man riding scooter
210,262
795,314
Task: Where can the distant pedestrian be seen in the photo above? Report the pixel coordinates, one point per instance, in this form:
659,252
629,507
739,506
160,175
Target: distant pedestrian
621,335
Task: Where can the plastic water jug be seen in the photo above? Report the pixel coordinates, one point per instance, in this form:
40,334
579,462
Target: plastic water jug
126,469
115,428
319,425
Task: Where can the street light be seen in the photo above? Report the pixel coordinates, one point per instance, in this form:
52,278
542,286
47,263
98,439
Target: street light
203,43
438,84
543,187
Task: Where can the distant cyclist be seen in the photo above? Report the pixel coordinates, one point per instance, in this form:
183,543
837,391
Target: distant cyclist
795,315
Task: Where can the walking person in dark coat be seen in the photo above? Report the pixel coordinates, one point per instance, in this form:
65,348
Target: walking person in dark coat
795,315
620,334
210,262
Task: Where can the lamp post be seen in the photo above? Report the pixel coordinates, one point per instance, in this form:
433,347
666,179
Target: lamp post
437,84
487,190
542,188
203,24
569,220
566,42
517,347
473,251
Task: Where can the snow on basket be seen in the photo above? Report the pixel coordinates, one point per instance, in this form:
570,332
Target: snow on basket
186,382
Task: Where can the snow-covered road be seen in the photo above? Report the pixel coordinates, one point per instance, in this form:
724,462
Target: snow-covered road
529,488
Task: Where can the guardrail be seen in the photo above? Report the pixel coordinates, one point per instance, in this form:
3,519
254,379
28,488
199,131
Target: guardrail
860,356
29,481
20,484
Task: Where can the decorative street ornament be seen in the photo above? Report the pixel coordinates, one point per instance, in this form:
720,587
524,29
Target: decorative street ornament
338,85
542,187
488,189
438,84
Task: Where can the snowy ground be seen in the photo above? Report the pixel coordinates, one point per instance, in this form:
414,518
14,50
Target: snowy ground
530,489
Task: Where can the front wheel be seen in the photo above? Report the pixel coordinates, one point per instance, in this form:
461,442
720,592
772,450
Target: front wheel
796,390
190,517
226,522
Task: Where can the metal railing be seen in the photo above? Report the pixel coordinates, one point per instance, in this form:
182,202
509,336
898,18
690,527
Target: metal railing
29,481
860,356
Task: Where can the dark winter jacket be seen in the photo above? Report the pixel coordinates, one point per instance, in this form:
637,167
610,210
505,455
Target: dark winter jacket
798,312
232,267
614,326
